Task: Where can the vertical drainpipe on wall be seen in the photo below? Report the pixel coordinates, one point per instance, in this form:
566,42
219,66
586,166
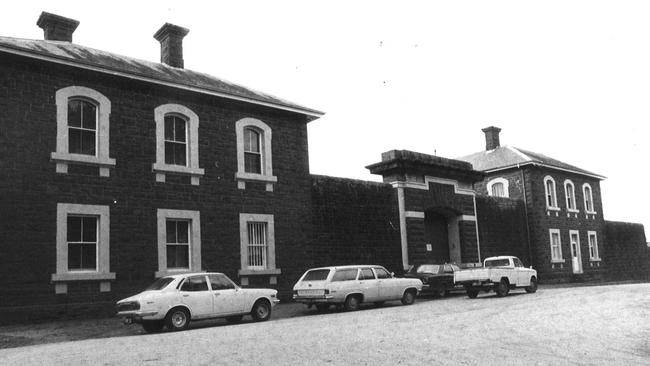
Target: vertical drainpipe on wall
523,182
402,225
478,241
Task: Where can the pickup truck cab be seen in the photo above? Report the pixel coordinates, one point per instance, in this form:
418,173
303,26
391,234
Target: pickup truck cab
501,274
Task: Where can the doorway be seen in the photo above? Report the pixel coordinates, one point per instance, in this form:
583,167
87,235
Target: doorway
576,256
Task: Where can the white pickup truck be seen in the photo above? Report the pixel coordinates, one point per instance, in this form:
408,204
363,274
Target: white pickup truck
498,273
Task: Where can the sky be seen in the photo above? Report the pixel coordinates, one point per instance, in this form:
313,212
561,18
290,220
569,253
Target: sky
568,79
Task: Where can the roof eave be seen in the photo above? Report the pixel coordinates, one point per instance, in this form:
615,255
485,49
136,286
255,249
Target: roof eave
512,166
312,113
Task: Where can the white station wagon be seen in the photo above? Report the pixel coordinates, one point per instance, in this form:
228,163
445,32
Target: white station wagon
349,286
174,301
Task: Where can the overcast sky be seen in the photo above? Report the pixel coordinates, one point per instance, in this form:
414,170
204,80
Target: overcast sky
568,79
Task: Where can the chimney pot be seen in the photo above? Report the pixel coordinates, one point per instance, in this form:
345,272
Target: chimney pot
170,37
56,27
491,137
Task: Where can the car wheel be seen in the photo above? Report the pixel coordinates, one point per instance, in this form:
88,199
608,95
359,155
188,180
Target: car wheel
472,293
321,308
409,297
533,285
502,288
352,303
234,319
177,319
153,326
261,311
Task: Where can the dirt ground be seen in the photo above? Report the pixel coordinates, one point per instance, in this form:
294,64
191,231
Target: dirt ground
555,326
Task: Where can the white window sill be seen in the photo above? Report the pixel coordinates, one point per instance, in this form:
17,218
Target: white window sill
171,272
259,272
557,261
161,169
550,208
82,276
242,178
595,259
63,159
573,211
591,212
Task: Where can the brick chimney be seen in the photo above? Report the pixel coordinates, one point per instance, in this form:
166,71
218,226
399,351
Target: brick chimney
56,27
170,37
491,137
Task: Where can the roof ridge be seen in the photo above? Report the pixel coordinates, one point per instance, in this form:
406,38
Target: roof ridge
518,152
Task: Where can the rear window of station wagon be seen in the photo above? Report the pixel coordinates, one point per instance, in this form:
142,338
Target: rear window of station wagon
349,274
317,275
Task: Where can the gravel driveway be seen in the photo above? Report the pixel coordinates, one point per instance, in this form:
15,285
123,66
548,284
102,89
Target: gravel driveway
555,326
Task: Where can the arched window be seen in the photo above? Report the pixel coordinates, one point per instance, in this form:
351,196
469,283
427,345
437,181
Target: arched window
254,160
82,118
570,194
551,196
177,142
498,187
589,198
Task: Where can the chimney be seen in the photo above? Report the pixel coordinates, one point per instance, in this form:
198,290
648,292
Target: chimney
491,137
56,27
170,37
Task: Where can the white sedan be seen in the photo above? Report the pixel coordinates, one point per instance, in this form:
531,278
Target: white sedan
174,301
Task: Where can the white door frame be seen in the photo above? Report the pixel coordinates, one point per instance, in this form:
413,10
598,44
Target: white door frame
576,255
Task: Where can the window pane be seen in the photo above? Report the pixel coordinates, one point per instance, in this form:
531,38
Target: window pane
88,256
89,115
89,229
171,231
179,154
251,140
74,256
87,142
252,163
169,128
169,152
179,129
74,141
366,274
74,228
178,256
182,231
74,113
220,282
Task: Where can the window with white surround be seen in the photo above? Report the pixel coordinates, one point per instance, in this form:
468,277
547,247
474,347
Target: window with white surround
254,158
551,196
589,198
570,194
82,246
556,246
179,241
498,187
593,246
177,142
257,235
82,137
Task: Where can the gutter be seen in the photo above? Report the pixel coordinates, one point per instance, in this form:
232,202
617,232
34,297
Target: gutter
600,177
87,66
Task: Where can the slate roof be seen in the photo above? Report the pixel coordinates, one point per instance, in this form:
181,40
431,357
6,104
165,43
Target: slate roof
507,157
90,58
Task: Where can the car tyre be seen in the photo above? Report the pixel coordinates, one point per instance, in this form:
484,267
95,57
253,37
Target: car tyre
502,288
472,293
177,319
533,285
153,326
234,319
352,303
409,297
261,311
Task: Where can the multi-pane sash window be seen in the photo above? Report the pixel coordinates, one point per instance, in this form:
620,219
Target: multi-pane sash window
551,198
82,127
252,151
589,201
257,245
178,244
82,243
498,190
593,245
556,246
175,140
570,196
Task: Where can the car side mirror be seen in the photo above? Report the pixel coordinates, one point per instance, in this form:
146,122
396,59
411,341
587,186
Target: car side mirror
392,274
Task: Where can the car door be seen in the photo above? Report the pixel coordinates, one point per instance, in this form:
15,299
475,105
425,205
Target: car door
227,297
368,285
523,274
389,288
197,296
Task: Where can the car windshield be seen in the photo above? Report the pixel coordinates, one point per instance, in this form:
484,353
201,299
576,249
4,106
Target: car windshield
497,263
316,275
160,284
428,268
